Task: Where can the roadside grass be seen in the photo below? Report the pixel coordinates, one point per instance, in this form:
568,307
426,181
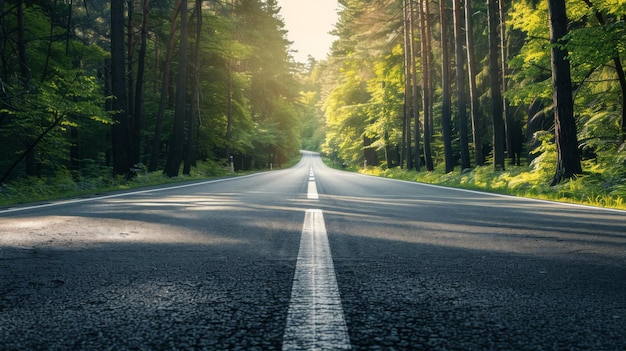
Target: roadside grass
592,188
67,184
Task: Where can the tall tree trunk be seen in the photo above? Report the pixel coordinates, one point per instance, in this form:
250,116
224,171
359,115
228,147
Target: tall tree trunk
565,133
68,27
414,92
120,130
25,78
495,84
140,85
229,111
175,155
158,124
46,65
229,92
461,101
21,46
477,132
3,65
130,58
426,81
446,100
3,37
511,151
406,142
194,115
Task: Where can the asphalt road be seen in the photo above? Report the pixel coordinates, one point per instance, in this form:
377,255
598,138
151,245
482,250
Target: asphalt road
308,258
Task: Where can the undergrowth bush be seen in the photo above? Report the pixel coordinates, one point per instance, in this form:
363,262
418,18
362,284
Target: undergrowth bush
67,183
525,181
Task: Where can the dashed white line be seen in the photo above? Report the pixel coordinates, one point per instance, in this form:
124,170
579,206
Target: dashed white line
315,320
312,189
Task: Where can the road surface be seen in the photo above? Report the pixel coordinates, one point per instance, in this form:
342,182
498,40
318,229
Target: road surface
311,258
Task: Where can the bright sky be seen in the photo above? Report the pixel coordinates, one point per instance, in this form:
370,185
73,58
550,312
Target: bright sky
308,23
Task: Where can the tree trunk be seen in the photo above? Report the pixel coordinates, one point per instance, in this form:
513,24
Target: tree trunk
175,155
3,37
21,46
46,65
120,129
406,147
369,153
509,126
461,101
130,60
139,88
190,157
158,124
477,132
565,133
3,65
426,81
446,102
388,146
495,83
414,92
24,76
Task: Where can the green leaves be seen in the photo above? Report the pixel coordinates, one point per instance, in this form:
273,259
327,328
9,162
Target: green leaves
596,45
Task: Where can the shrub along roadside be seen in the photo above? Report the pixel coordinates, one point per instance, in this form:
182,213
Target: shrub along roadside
596,187
591,188
69,184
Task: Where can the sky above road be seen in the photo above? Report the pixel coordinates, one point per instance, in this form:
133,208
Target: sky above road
308,23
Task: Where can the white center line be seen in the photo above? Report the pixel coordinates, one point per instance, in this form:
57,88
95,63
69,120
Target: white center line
315,319
312,190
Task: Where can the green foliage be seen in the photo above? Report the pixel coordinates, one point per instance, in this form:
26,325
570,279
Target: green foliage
54,121
67,184
518,181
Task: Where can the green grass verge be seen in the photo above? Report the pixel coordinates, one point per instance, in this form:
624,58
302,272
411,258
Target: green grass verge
591,188
68,185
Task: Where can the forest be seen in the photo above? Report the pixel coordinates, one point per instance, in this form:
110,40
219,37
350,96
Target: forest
101,88
532,90
95,90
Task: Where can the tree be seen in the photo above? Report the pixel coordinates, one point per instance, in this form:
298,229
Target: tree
139,105
194,115
495,84
446,100
414,91
565,133
120,131
461,101
619,69
408,74
177,140
476,118
427,95
165,84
